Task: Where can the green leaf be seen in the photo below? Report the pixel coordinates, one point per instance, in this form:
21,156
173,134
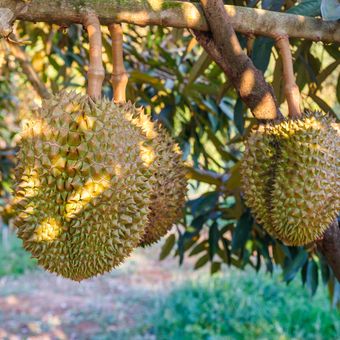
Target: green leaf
295,265
167,246
261,52
199,67
215,267
309,8
238,116
214,236
312,279
321,77
204,245
242,231
201,261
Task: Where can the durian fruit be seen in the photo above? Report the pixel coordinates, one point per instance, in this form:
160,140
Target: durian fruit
164,159
83,192
291,177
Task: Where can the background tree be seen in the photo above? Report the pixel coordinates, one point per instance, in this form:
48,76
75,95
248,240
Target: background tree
178,83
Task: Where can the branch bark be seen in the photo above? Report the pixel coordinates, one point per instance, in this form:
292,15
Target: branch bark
249,82
180,14
28,70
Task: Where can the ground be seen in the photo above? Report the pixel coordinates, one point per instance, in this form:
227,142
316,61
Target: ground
40,305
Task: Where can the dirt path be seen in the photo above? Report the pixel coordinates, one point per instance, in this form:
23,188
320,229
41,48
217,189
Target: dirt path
40,305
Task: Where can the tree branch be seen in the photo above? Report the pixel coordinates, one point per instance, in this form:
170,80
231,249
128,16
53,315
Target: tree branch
28,70
180,14
246,78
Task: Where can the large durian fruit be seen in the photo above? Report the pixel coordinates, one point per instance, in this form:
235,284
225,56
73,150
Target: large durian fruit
164,159
83,192
291,176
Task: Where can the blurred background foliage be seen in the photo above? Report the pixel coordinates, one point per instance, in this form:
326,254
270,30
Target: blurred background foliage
178,84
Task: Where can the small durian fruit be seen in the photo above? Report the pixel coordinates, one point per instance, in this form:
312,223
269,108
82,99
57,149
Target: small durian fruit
291,177
169,185
305,195
83,192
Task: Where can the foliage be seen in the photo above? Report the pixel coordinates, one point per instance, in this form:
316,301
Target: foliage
180,86
244,306
14,260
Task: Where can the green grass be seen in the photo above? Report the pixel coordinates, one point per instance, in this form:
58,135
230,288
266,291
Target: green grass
14,260
244,306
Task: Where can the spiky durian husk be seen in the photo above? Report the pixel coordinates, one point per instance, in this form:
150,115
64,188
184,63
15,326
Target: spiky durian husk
256,171
164,158
83,193
295,192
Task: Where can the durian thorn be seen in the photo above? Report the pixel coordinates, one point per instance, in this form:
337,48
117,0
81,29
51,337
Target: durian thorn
96,71
292,91
119,77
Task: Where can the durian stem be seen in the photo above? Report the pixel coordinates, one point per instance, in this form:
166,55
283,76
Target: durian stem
292,91
96,71
119,77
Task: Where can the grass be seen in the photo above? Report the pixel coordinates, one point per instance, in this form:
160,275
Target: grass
233,305
245,305
14,260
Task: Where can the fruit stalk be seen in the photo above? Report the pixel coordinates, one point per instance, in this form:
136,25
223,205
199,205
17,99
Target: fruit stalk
292,91
119,77
96,71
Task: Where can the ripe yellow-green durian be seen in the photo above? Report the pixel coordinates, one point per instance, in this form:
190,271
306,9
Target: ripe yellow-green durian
291,177
83,191
164,159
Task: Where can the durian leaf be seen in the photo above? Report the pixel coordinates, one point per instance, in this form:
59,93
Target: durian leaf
204,203
242,231
167,246
295,265
238,116
199,67
307,8
321,77
201,261
325,271
312,279
323,105
203,246
214,236
261,52
215,267
226,249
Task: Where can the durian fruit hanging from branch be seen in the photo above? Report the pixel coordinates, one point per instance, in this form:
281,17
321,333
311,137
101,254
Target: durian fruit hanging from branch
161,154
291,177
83,190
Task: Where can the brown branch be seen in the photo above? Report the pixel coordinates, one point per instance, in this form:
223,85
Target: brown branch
119,78
248,81
96,71
180,14
28,69
329,246
6,18
292,91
